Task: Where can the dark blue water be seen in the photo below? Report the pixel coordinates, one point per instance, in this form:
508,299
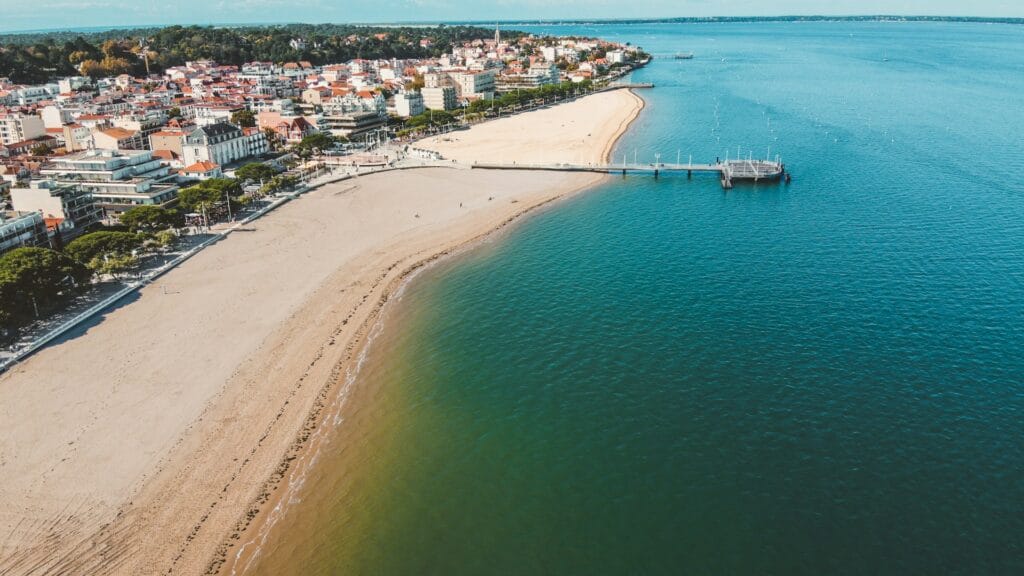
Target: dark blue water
662,377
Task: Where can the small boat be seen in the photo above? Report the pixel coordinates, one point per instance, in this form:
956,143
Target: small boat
684,56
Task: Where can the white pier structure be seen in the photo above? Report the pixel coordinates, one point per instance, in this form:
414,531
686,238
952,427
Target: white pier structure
729,171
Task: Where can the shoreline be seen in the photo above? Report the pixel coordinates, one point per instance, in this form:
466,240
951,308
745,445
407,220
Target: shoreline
276,491
160,526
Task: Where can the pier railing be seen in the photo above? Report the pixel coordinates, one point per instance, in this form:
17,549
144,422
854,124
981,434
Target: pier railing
729,171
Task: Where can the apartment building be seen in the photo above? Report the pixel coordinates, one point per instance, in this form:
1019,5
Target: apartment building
117,179
19,127
408,104
68,206
18,229
474,84
439,98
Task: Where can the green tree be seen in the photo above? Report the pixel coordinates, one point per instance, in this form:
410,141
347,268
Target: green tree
316,141
41,149
36,278
195,198
95,247
208,193
244,118
174,112
255,171
150,218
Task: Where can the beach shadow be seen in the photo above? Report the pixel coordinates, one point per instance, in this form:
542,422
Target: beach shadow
95,320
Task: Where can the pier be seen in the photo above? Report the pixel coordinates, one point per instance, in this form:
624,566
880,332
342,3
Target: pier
729,171
625,85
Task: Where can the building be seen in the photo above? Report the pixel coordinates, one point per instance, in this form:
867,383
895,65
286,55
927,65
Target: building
117,179
474,84
220,143
201,171
408,104
26,147
18,229
439,98
27,95
77,137
117,139
256,142
73,83
18,127
69,205
172,140
292,129
352,124
535,77
55,117
145,122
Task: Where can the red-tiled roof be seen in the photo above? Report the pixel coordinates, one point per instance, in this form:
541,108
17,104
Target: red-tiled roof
201,167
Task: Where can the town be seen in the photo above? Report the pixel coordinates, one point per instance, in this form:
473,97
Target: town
100,174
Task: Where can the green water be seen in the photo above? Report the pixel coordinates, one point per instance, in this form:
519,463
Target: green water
660,377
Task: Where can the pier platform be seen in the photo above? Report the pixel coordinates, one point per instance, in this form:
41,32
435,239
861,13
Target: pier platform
729,172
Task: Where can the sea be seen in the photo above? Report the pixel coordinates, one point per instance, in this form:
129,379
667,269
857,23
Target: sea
660,376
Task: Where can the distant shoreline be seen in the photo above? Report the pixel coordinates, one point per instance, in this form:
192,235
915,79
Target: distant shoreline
546,22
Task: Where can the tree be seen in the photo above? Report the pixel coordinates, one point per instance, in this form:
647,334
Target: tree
150,218
196,198
174,112
208,193
244,118
316,141
278,183
41,149
255,171
92,69
36,279
95,247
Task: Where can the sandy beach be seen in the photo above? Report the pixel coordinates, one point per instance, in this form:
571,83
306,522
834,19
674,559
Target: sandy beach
150,441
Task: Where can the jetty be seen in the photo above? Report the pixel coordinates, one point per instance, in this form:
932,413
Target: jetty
625,86
729,171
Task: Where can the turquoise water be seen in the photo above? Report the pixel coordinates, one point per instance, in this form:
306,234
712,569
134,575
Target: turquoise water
661,377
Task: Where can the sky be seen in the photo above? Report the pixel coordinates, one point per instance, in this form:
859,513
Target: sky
63,14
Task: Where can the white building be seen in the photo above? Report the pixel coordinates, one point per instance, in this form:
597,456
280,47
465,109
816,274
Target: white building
440,98
26,95
55,116
219,143
408,104
19,229
68,85
74,206
118,179
18,127
474,84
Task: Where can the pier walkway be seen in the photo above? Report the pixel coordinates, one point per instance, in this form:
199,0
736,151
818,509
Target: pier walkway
728,171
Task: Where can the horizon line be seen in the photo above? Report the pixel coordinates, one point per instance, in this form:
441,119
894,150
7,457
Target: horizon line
532,22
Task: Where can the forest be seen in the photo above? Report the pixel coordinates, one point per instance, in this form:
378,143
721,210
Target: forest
34,58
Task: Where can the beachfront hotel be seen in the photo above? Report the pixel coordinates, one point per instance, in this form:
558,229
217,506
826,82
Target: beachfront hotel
117,179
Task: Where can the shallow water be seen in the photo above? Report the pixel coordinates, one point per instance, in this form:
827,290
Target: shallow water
663,377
